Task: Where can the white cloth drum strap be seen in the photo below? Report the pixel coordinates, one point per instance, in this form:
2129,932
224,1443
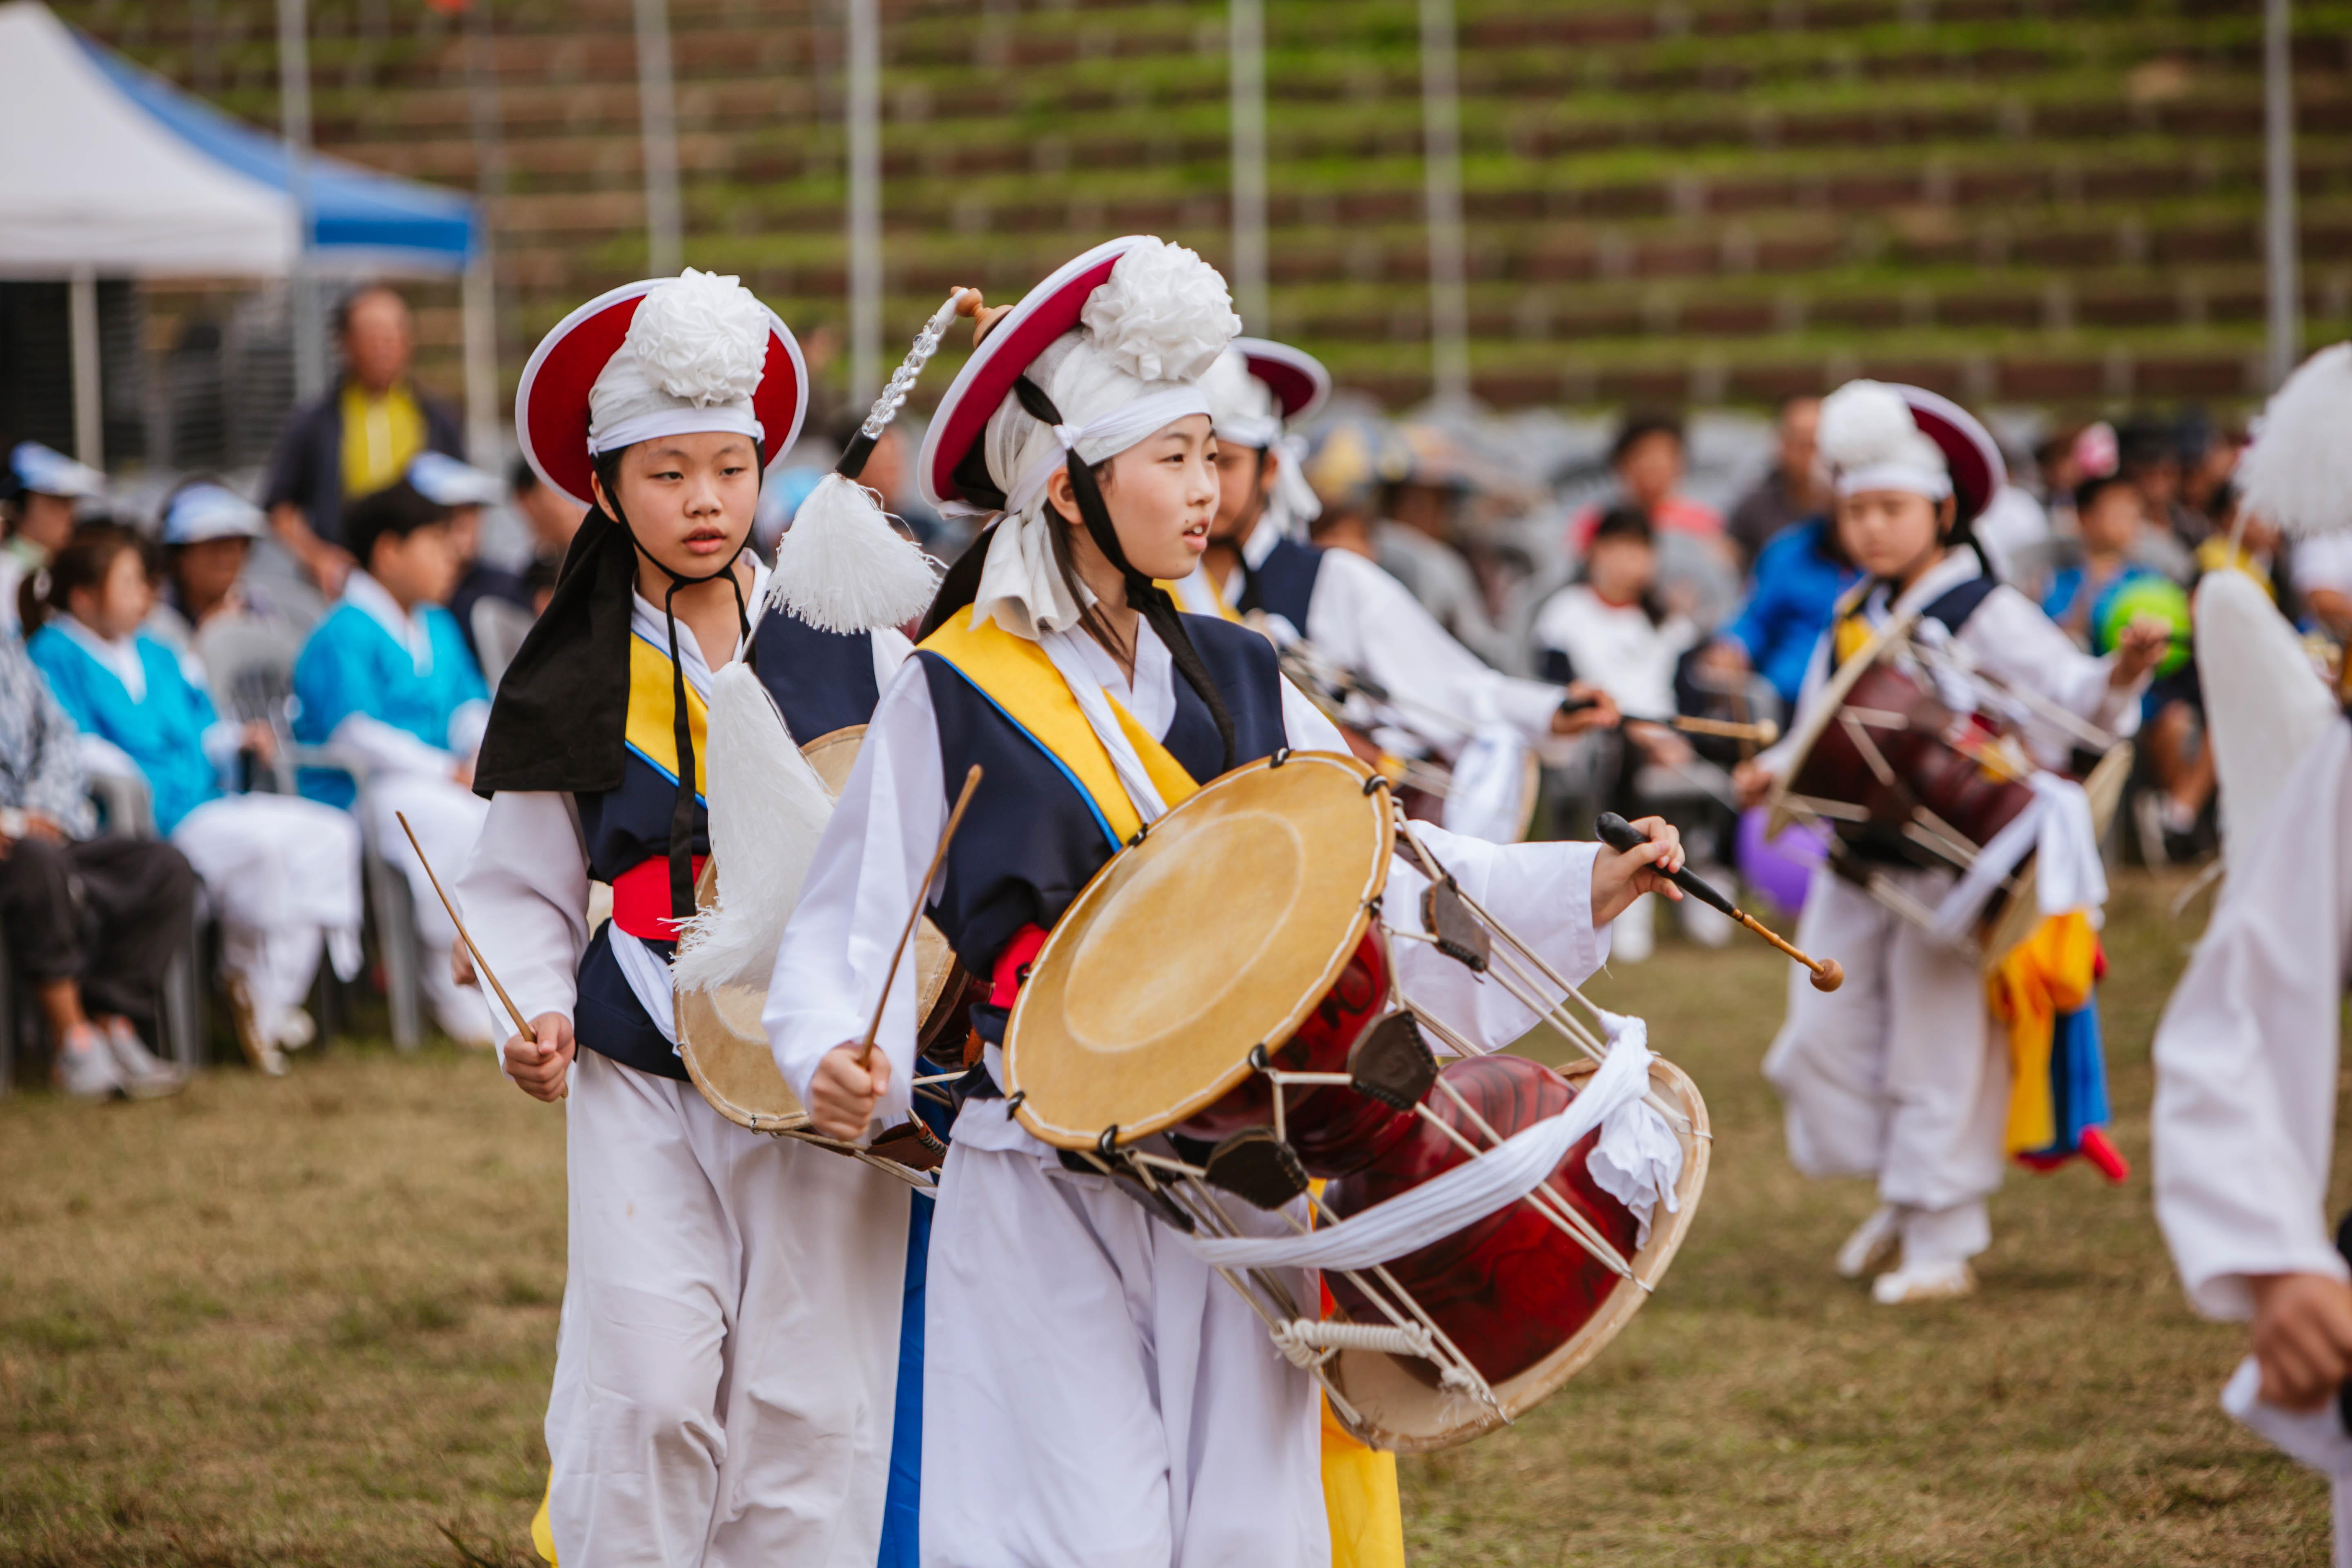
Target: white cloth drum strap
1637,1159
650,982
2057,830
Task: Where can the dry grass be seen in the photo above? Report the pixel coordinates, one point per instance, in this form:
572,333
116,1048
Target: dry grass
311,1321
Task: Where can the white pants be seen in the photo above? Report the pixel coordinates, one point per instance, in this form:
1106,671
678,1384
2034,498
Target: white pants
282,875
1898,1073
1094,1396
727,1369
447,818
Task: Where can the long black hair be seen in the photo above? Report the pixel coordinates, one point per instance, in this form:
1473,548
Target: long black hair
961,587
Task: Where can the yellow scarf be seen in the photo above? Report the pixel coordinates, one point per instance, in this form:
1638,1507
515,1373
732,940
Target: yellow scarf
652,729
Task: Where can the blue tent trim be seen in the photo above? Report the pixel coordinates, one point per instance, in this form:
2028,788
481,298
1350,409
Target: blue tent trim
352,208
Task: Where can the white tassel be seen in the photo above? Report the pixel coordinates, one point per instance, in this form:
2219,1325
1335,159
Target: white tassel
841,566
767,809
2298,472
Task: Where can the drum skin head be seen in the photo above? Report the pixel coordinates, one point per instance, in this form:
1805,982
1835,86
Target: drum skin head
1218,933
1397,1412
1779,814
720,1036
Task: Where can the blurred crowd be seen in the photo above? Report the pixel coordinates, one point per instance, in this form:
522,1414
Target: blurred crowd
232,712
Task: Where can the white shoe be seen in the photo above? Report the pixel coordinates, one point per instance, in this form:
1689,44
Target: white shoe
85,1066
1872,1243
1942,1281
1634,933
146,1075
251,1037
292,1029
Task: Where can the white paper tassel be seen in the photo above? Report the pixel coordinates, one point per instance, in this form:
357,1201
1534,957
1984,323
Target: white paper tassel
2298,472
767,809
841,566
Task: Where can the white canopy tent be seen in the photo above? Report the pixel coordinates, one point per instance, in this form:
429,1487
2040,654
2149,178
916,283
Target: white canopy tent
108,171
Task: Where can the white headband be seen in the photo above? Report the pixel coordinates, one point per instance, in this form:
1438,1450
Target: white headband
1121,428
1908,478
687,421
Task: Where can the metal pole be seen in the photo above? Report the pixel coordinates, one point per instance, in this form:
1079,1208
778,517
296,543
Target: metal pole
1441,117
479,299
657,125
863,108
88,411
1247,84
2282,268
294,118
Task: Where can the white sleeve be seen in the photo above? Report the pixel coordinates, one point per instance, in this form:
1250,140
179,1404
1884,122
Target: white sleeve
2245,1056
862,882
381,748
524,895
1370,622
222,739
2009,637
1542,891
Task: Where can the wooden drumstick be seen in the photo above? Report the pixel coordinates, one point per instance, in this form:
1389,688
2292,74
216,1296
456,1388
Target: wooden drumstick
1622,836
481,964
1762,732
922,895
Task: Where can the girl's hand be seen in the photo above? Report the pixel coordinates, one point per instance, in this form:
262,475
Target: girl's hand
541,1066
843,1095
2301,1336
1752,782
1619,879
2141,648
1601,715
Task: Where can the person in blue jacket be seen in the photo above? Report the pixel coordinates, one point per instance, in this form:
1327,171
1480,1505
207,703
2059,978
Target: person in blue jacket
282,874
388,690
1799,575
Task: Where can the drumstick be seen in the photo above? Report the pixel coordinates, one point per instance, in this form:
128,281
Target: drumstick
922,895
1622,836
522,1025
1763,731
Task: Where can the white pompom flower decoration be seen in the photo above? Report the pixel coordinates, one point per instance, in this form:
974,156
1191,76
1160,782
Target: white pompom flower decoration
1163,314
2298,472
1864,423
702,338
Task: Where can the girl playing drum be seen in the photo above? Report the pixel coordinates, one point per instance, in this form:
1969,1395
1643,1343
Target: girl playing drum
1899,1076
1092,1396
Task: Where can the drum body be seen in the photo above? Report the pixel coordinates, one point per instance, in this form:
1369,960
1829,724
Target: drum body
1896,749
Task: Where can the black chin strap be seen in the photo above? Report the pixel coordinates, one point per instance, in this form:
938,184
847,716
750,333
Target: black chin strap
681,811
1145,596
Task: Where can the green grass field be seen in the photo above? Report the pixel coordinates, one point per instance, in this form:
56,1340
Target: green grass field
312,1321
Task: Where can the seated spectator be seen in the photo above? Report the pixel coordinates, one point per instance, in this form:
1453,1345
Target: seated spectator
386,684
1649,460
2111,518
355,440
282,873
1790,604
207,536
1790,493
465,490
1609,629
39,492
1417,539
552,519
2241,541
91,923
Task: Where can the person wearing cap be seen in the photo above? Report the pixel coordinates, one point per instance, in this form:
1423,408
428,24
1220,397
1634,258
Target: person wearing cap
282,874
207,535
39,492
548,513
1092,1396
731,1372
1350,611
355,440
466,491
387,686
1899,1075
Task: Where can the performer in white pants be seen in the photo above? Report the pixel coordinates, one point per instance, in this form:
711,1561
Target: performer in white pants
1899,1075
728,1369
1092,1396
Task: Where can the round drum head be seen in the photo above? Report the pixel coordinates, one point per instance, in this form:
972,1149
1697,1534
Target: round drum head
1825,710
1218,933
1398,1412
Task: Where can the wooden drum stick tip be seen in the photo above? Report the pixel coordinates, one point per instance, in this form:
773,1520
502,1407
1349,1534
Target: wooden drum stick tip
1828,975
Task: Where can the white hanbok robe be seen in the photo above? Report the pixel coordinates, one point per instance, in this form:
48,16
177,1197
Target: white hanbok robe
1093,1396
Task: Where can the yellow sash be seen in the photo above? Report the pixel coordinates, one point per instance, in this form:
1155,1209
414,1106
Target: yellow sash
1016,675
1216,596
652,729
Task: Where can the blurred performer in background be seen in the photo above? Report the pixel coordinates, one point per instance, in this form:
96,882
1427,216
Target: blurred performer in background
727,1371
1899,1075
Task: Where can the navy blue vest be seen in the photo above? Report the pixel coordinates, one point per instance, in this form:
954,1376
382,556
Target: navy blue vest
1029,840
1283,583
821,681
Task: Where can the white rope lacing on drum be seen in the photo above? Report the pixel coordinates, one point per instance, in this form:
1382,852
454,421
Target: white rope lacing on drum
1307,1343
1478,1187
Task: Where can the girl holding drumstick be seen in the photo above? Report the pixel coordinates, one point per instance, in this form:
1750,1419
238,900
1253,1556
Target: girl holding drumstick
1092,1396
1899,1075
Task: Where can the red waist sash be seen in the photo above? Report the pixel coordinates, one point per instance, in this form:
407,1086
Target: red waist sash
641,899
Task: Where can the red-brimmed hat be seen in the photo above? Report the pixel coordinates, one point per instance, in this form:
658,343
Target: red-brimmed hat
1043,315
1970,452
551,403
1300,383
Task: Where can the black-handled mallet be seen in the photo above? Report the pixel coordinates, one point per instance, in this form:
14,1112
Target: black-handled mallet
1622,836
